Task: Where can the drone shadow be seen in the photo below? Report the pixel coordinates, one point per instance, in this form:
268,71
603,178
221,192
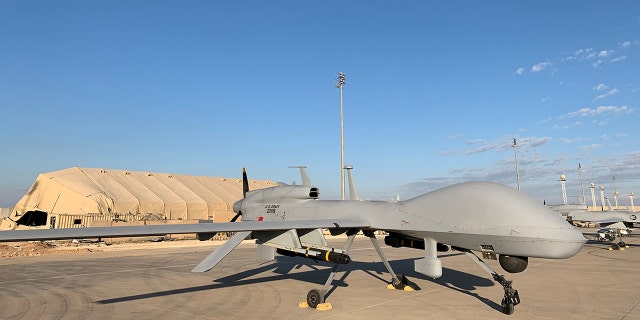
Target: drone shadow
283,267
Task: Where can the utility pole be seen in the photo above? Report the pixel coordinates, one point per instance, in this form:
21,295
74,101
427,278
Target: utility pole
340,85
516,157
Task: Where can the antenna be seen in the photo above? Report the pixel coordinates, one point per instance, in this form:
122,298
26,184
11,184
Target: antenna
340,85
353,193
303,175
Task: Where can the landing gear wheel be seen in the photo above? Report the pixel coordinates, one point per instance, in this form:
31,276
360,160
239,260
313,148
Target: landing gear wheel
511,297
400,283
314,298
615,246
621,244
507,306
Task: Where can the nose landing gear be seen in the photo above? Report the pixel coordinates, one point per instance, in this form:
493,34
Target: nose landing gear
511,297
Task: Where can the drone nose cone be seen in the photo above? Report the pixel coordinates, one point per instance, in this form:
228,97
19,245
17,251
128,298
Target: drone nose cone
237,206
568,244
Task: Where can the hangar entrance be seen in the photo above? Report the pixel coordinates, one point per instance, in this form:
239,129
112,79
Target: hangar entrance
33,218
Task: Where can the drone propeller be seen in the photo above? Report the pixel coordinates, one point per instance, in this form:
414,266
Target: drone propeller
245,189
245,183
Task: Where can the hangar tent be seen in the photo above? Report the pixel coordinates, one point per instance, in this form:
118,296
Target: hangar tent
91,191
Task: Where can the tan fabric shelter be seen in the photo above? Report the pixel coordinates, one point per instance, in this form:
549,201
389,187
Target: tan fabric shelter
104,191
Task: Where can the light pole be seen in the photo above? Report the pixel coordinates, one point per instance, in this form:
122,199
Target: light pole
515,155
584,201
615,191
563,182
593,194
340,85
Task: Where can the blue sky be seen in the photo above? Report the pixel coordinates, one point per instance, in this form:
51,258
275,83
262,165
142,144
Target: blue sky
435,91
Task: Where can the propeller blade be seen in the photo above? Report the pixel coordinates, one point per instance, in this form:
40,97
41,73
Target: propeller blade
245,189
245,183
236,217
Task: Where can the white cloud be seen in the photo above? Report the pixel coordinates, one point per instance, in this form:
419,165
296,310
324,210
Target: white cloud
609,93
535,141
625,44
544,120
584,112
484,148
476,141
455,136
591,147
520,71
617,59
592,55
540,66
597,63
605,53
600,87
581,51
615,136
580,54
503,144
569,141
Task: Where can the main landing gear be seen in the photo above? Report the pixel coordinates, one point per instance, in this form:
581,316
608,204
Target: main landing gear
511,297
316,297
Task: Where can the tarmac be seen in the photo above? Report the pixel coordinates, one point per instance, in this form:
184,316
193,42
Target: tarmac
156,283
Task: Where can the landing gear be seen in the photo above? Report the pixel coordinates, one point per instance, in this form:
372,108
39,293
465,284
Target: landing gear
507,307
400,282
511,297
314,298
618,246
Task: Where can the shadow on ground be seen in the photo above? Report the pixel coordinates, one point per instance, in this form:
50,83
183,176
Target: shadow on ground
284,267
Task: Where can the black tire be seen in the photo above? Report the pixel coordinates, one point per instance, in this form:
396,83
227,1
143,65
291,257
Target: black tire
507,307
314,298
400,283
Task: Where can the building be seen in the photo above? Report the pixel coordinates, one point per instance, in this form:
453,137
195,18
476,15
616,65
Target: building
84,197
